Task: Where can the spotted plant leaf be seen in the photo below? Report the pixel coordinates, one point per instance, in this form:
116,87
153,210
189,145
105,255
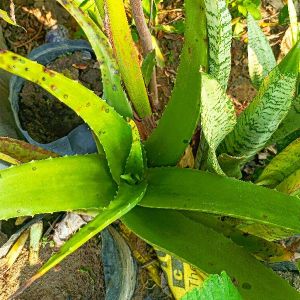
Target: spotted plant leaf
174,131
112,86
261,118
127,197
261,59
109,127
219,37
217,117
281,166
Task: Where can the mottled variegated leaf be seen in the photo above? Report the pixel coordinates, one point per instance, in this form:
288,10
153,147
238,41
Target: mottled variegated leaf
281,166
219,36
290,124
217,117
261,59
291,185
261,118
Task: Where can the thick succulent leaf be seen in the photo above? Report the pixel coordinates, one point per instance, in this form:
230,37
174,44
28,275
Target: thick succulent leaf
58,184
281,166
207,250
293,21
290,124
261,118
135,168
231,165
215,287
261,59
127,56
22,151
291,185
127,198
186,189
217,117
109,127
148,66
112,87
219,38
174,131
263,250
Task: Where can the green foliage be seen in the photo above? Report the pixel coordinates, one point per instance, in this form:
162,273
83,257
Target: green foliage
172,135
215,287
243,7
196,216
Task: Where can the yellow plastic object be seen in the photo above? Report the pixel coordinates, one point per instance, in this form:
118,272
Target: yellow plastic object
181,276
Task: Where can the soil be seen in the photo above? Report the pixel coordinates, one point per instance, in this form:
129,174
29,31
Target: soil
79,276
44,117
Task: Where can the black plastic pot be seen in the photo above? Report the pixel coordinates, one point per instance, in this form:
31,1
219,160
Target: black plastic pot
80,139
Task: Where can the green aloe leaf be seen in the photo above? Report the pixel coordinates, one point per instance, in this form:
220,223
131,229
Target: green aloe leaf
168,141
219,37
207,250
110,128
215,287
281,166
217,117
148,66
261,118
262,249
127,56
22,151
290,124
186,189
127,198
112,86
55,184
261,59
290,185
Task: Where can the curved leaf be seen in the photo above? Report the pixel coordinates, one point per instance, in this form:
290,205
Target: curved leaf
290,185
186,189
261,59
174,131
22,151
209,251
290,124
217,117
263,250
281,166
127,198
262,117
219,37
112,88
109,127
58,184
127,56
214,287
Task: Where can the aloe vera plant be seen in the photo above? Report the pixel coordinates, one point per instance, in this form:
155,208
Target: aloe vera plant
179,211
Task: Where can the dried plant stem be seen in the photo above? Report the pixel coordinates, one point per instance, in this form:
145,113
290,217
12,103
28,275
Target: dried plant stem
147,46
